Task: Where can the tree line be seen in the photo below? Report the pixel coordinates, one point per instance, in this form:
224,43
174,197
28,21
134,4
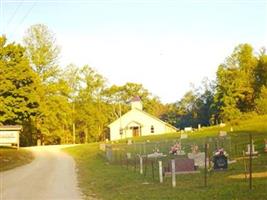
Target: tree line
75,103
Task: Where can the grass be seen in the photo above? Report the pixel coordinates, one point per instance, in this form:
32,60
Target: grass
11,158
101,180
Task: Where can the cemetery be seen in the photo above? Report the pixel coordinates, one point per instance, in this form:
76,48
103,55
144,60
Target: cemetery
203,164
201,159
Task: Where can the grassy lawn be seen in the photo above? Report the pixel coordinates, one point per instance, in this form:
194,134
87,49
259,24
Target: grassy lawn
98,178
11,158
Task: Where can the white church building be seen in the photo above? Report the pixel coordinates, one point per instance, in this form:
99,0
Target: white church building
137,122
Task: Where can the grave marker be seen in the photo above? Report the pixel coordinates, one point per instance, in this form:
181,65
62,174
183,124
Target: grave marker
182,166
251,151
184,136
222,133
220,160
176,149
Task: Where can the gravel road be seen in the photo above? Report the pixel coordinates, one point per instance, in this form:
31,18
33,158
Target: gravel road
51,176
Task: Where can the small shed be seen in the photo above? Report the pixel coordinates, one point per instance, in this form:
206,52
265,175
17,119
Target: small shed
9,135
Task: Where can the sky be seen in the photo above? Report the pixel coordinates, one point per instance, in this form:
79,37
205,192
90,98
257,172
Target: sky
166,45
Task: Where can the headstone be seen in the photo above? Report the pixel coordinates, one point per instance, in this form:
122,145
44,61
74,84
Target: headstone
265,149
128,155
199,126
220,162
188,129
184,136
222,133
198,157
253,152
184,164
156,155
129,142
231,129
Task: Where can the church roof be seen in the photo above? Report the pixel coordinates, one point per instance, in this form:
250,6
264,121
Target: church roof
149,115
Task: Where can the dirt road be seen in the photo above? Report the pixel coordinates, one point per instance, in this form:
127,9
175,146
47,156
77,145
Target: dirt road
51,176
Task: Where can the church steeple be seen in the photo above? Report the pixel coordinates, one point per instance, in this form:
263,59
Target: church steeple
136,103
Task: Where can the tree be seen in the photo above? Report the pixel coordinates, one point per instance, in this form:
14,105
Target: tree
93,111
260,72
235,84
42,51
54,110
19,85
261,102
19,90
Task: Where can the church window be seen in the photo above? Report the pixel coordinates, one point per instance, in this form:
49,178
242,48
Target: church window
152,129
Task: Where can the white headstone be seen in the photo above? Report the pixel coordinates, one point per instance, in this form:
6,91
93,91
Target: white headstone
184,136
253,152
188,129
222,133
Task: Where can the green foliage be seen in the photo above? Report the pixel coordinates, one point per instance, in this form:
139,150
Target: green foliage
19,86
50,101
194,108
261,102
238,80
42,51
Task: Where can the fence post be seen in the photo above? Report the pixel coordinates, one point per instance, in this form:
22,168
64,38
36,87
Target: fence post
173,173
245,164
152,168
141,165
250,162
160,172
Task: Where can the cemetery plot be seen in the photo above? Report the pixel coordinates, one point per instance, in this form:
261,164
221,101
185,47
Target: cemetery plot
182,166
194,162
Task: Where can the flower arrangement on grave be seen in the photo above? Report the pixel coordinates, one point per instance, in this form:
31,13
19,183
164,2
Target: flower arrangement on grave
220,152
176,149
194,149
155,154
155,150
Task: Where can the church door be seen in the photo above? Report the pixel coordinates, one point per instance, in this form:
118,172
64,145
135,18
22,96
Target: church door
136,131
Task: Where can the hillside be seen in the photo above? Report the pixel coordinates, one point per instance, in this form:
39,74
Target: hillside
98,178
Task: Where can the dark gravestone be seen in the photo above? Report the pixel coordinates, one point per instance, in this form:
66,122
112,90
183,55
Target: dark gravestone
182,165
220,162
